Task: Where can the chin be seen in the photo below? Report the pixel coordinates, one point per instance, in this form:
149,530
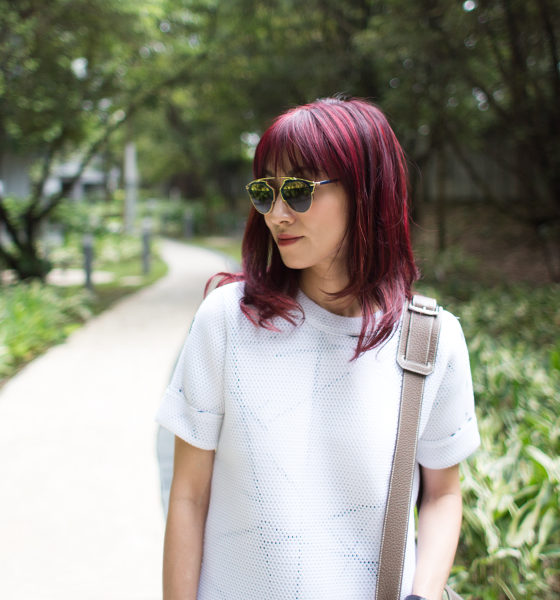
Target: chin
295,265
293,261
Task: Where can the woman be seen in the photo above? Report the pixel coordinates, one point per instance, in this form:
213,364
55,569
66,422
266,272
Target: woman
285,399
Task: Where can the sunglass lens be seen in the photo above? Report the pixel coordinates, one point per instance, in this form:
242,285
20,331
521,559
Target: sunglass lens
297,193
261,195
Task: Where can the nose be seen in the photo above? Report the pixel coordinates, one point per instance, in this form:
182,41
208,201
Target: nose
280,212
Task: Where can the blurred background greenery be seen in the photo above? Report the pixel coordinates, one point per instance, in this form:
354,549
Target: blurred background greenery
119,117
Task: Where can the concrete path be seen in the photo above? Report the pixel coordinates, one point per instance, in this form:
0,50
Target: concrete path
80,506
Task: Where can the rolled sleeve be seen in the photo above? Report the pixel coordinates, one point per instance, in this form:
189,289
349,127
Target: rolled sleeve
193,404
194,426
451,431
440,454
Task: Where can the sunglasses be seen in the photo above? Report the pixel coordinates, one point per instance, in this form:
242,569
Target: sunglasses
297,193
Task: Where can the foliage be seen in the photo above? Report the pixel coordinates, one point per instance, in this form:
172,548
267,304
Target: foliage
35,316
197,83
479,78
71,74
257,59
510,543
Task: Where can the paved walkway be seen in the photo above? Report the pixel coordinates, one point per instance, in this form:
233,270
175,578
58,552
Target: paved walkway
80,507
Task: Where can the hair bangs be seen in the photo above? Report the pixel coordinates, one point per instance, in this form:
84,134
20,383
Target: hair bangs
297,144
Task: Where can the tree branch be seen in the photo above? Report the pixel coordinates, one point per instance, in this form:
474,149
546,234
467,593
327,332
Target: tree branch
474,81
469,167
5,218
8,258
140,100
494,47
552,42
52,150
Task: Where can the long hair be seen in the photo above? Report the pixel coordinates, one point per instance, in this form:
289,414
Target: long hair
350,140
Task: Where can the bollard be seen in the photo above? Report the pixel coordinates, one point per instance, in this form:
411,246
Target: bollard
88,259
188,224
146,235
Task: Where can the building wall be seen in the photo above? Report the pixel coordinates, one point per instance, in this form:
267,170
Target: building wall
458,184
14,174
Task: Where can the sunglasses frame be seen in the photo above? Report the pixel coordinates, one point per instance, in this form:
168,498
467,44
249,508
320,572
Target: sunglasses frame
312,184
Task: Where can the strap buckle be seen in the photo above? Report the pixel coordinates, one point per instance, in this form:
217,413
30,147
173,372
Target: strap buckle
427,307
424,306
414,367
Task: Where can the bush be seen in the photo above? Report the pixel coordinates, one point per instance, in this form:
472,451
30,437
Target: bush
35,316
510,544
512,485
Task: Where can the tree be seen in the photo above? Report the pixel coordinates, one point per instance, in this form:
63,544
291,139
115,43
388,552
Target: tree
480,77
259,59
71,73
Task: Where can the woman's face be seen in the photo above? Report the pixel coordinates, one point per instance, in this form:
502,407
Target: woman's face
313,240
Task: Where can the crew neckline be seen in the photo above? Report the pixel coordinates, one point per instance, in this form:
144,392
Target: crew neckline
323,319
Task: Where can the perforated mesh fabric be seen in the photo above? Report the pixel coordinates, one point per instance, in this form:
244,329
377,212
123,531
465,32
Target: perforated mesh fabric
304,440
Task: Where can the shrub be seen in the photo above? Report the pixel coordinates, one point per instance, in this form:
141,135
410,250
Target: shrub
35,316
510,547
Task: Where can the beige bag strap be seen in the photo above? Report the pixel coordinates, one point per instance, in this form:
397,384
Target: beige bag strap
416,356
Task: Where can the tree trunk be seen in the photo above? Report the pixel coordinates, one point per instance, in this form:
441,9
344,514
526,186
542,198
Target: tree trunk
21,253
441,201
30,265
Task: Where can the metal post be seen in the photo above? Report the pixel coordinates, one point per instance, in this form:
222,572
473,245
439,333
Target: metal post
88,259
131,181
188,223
146,235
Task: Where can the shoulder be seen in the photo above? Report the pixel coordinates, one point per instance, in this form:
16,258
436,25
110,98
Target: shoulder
216,310
451,330
452,347
450,326
222,299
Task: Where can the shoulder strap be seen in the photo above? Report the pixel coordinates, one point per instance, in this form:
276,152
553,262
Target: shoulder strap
416,356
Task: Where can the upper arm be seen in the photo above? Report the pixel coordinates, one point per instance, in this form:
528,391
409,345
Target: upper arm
192,473
440,482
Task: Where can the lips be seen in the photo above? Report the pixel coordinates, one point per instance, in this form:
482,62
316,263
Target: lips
287,240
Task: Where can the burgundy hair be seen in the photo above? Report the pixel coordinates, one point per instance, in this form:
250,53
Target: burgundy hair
350,140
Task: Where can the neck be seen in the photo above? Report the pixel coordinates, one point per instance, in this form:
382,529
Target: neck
319,289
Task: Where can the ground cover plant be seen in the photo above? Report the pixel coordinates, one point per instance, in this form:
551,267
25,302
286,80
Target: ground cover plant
36,315
510,541
511,533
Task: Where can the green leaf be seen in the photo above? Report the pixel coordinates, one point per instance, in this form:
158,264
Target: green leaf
549,463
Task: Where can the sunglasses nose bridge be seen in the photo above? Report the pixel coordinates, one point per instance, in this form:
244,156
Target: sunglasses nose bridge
282,209
285,203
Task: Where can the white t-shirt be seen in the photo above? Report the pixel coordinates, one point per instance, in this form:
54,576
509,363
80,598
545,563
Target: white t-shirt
304,440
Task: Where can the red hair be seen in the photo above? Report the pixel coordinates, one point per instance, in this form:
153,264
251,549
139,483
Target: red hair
350,140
